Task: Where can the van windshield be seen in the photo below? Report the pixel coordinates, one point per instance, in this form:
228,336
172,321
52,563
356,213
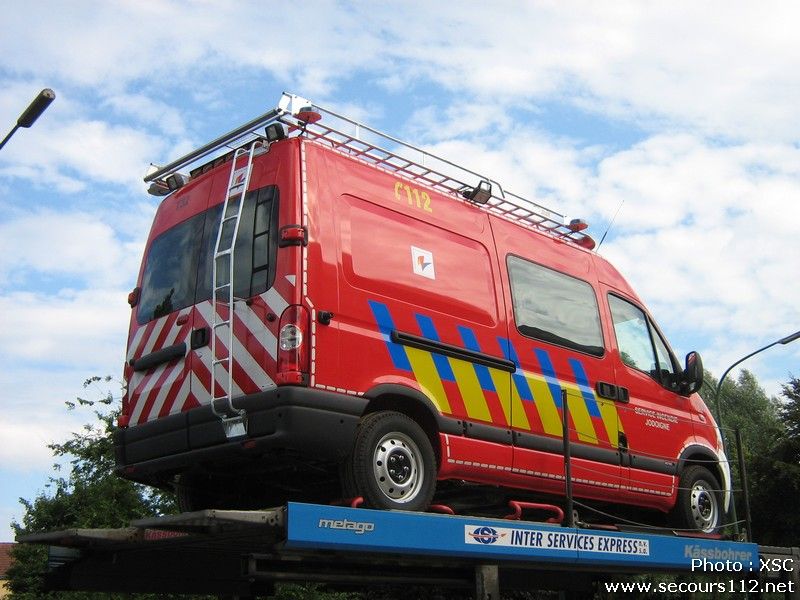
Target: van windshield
179,262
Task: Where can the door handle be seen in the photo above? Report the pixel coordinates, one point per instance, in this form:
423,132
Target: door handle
609,391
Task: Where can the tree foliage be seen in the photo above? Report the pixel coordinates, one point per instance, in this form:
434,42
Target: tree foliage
744,405
775,478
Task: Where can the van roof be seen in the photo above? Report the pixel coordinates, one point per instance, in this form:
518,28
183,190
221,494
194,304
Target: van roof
344,135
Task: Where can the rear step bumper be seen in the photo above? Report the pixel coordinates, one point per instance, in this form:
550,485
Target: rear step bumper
312,423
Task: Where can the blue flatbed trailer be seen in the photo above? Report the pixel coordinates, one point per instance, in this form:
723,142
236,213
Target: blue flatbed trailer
242,554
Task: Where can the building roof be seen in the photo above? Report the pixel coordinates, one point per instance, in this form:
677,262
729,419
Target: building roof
5,558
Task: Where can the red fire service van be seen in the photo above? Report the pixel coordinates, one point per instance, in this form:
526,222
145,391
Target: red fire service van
325,311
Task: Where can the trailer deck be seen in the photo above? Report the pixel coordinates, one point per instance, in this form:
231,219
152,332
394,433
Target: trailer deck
244,553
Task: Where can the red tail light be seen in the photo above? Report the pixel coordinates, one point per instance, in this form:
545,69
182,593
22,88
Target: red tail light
293,346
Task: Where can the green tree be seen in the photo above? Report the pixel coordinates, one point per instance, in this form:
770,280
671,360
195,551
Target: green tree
775,478
745,406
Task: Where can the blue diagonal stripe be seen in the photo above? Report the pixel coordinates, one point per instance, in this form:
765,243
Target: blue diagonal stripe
518,376
482,371
583,384
386,326
428,330
549,374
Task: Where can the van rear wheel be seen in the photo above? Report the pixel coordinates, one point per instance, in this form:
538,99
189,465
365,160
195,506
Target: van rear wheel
392,464
699,505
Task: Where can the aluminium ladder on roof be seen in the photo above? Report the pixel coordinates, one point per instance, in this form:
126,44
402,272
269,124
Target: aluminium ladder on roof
371,146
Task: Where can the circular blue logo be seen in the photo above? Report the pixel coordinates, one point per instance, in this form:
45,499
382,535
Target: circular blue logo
485,535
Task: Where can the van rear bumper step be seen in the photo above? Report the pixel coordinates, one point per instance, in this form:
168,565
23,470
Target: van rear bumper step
313,423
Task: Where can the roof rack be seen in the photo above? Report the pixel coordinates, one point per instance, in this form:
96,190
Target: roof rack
369,145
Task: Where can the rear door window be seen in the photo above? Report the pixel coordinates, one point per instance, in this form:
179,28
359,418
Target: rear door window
170,274
256,245
178,268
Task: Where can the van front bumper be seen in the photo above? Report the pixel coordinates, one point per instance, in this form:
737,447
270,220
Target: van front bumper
310,423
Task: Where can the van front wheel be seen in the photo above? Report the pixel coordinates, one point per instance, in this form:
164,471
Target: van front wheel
699,507
392,464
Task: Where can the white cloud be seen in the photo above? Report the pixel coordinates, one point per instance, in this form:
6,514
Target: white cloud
711,69
75,328
70,154
26,436
149,111
74,244
715,68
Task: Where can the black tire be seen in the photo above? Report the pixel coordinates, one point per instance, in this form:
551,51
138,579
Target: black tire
699,505
392,465
192,494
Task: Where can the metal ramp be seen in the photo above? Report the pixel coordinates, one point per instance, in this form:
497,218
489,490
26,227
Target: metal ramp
363,143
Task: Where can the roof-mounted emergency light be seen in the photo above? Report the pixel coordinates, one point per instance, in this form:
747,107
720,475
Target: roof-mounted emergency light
308,115
578,225
586,242
480,194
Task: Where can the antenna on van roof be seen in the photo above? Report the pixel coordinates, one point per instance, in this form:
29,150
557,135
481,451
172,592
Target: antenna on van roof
614,218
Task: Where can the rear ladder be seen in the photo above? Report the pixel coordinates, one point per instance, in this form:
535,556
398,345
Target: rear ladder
222,299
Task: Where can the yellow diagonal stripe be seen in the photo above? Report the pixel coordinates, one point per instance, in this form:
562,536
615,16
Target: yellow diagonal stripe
548,413
519,418
471,391
610,420
502,385
579,413
428,378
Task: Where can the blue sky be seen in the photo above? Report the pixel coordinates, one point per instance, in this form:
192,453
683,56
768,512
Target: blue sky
684,113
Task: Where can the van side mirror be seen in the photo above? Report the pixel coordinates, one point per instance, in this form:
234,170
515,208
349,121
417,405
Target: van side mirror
692,376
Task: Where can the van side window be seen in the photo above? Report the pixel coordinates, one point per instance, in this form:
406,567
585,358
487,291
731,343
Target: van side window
554,307
640,345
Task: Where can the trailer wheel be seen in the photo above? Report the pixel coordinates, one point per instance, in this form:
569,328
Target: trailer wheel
191,494
699,505
392,464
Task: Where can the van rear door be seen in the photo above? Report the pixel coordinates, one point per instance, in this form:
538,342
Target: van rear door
158,361
254,330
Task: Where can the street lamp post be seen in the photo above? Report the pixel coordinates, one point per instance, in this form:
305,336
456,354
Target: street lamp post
33,112
785,340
